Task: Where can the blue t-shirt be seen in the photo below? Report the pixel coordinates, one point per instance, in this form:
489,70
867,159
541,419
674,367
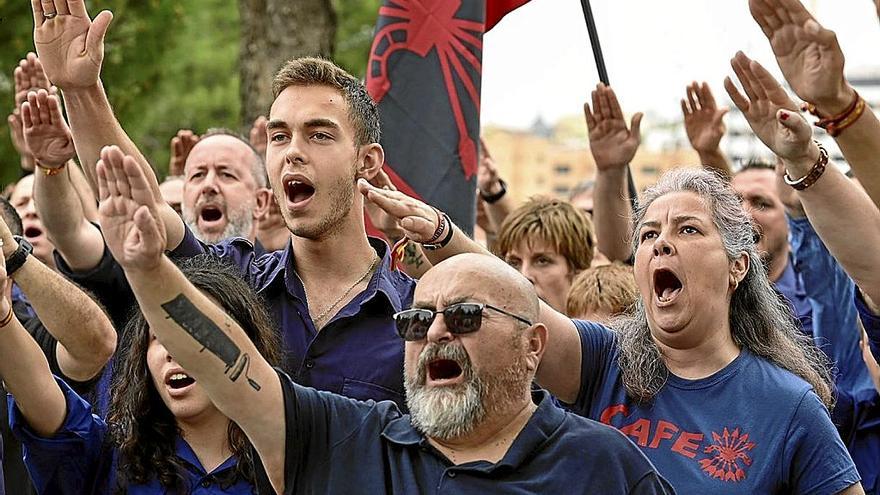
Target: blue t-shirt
752,427
339,445
78,460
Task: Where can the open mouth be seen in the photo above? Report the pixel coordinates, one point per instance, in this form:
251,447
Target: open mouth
211,214
666,285
298,191
444,369
32,232
178,381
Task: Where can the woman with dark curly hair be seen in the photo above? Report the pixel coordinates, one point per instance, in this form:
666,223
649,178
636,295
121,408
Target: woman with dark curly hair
163,434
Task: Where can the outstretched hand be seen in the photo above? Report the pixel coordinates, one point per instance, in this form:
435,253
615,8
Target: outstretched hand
808,54
30,76
181,145
417,220
258,137
130,222
703,119
612,144
772,115
69,43
45,132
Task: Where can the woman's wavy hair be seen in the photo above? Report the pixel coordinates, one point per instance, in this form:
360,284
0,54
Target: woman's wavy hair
141,426
760,320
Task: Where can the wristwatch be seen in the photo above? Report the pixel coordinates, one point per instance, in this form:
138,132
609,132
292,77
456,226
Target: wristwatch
492,198
17,258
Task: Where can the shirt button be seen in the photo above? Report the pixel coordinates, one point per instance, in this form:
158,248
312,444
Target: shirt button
206,483
310,364
451,474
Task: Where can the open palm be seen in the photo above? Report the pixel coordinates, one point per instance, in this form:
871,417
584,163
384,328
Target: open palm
45,131
612,144
127,212
70,45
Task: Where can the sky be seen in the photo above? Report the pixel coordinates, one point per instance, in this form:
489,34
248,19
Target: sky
537,60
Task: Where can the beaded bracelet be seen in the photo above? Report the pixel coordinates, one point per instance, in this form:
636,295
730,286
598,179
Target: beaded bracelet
813,175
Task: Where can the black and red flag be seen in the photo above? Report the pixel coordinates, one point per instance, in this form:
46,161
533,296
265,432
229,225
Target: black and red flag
424,73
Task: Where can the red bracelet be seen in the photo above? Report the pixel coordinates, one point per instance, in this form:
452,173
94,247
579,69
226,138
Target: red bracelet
814,173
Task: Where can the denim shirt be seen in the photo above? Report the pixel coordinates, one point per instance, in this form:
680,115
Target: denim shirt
358,353
78,459
830,292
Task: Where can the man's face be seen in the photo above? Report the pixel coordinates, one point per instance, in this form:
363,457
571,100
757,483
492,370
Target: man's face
32,228
220,192
682,270
546,269
312,160
453,382
758,189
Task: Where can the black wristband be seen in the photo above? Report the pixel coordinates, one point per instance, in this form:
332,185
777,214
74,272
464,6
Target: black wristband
492,198
450,229
19,256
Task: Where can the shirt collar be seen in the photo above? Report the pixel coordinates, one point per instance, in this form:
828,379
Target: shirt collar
386,280
789,284
543,424
186,453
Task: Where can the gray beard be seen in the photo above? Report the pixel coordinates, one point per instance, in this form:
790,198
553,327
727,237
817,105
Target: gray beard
453,412
238,224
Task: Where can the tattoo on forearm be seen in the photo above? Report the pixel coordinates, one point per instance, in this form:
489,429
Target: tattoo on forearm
412,256
183,312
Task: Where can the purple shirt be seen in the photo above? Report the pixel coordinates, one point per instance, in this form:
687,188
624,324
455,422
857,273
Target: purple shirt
358,353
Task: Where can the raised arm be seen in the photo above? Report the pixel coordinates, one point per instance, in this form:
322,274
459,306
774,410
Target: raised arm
704,124
493,190
838,209
24,369
71,48
236,377
812,62
60,207
613,146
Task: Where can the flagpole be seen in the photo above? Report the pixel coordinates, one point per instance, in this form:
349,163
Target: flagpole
603,76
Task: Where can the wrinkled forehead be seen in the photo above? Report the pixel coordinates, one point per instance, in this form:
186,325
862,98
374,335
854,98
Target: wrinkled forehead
220,150
445,287
677,206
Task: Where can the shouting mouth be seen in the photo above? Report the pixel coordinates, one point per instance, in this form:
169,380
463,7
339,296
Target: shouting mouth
179,383
444,372
298,191
667,286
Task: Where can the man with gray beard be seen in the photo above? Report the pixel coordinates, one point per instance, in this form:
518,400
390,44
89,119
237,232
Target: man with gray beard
475,425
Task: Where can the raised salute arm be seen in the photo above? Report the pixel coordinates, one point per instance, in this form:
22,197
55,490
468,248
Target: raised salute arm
210,345
838,209
613,146
704,124
71,48
812,62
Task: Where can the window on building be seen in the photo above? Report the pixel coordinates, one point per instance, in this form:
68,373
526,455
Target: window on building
562,168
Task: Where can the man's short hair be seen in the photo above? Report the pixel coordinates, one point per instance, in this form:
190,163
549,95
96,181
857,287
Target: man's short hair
608,289
258,167
311,71
11,217
554,221
757,164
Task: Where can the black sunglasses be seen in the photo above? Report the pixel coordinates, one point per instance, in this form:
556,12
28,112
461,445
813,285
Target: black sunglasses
460,318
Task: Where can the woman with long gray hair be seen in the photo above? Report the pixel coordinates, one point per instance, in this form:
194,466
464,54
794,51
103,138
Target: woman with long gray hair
708,372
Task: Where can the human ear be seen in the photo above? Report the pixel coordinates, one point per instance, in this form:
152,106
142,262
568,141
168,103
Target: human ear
264,199
537,344
373,159
738,269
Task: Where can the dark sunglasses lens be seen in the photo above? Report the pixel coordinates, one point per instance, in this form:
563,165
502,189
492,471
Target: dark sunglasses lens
414,324
463,318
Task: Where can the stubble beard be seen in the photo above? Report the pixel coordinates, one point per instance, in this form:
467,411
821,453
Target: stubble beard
239,223
340,198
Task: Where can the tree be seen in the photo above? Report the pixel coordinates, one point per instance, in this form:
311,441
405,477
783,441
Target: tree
272,32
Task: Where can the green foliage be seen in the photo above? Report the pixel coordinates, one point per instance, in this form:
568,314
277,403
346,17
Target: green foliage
354,35
168,65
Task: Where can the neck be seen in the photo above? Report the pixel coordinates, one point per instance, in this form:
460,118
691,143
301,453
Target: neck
490,440
207,436
778,263
703,359
335,257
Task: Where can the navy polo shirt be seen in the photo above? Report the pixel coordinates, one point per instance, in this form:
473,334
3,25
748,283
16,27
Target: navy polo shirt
358,353
339,445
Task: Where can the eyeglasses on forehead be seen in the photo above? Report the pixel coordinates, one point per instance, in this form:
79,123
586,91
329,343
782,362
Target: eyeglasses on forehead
413,324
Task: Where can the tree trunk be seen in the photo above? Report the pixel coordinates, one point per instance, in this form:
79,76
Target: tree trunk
273,32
